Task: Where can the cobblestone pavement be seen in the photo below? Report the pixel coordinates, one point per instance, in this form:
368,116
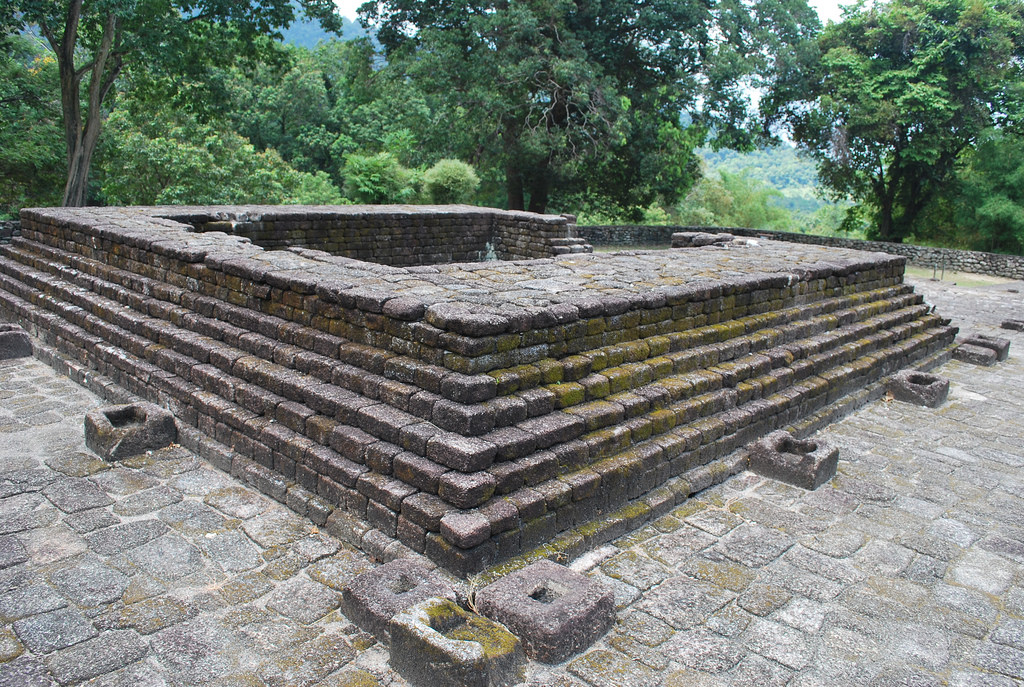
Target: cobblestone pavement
906,569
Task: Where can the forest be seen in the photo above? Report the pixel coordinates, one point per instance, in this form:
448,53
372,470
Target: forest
900,122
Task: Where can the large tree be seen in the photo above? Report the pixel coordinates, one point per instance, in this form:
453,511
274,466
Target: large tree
607,97
94,40
896,92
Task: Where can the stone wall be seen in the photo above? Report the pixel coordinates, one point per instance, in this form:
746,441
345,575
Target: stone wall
9,229
472,411
1010,266
396,235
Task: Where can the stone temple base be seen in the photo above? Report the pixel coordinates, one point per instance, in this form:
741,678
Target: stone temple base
470,411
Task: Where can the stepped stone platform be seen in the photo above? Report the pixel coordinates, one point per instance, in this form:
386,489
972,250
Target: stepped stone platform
471,411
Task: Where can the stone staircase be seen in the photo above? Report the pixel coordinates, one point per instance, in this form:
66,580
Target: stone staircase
479,453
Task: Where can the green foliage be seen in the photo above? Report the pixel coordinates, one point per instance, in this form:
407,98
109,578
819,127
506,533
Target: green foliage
597,210
450,182
378,179
733,200
93,42
31,150
788,171
588,98
990,203
175,159
375,108
317,106
895,93
285,106
781,167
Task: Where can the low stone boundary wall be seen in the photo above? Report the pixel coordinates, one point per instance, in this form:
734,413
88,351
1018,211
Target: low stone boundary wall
996,264
471,411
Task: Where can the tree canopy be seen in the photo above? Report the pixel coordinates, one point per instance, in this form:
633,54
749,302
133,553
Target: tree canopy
985,208
94,41
607,97
895,93
615,110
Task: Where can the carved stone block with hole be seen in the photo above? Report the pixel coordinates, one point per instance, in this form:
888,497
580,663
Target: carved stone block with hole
976,355
802,463
117,432
437,643
555,611
1000,346
919,388
1015,325
14,342
373,598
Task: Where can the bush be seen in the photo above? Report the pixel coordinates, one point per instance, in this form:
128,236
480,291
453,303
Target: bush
450,182
377,179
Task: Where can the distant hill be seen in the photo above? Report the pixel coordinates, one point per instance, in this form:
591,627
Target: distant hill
781,167
307,33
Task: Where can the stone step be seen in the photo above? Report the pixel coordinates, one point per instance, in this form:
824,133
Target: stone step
618,472
276,384
400,417
455,416
454,336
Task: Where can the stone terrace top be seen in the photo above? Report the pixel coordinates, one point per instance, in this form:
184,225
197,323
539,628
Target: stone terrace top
624,280
469,318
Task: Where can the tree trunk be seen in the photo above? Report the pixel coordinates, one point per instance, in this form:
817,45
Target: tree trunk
885,194
514,187
77,187
886,229
81,137
539,193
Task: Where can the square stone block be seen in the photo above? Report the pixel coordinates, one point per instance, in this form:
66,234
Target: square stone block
436,643
555,611
807,464
976,355
373,598
14,342
1000,346
919,388
117,432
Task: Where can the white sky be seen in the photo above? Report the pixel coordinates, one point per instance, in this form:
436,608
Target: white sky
348,7
828,10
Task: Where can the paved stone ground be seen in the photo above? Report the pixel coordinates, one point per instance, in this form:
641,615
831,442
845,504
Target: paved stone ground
907,569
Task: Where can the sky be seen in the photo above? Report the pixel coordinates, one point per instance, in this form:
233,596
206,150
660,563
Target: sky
828,10
348,7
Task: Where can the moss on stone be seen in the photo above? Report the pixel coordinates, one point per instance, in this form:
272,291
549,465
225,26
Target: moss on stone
507,342
550,371
567,394
355,678
10,647
493,638
721,574
619,379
